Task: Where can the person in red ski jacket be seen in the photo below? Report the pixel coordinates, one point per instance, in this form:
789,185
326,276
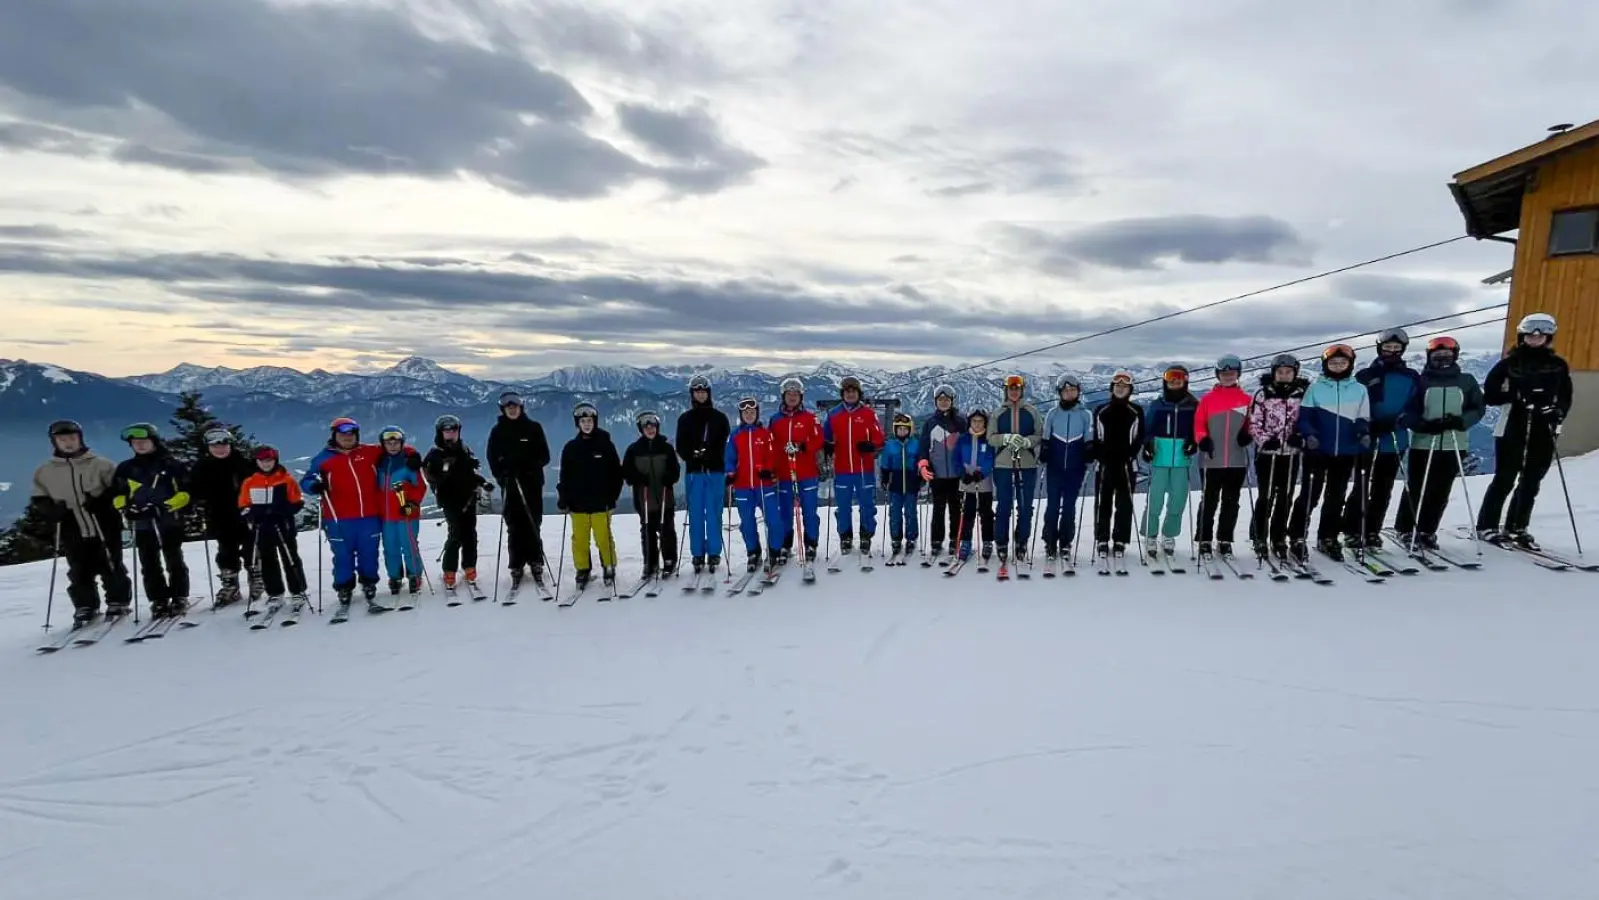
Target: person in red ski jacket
1221,432
750,458
852,436
345,476
797,437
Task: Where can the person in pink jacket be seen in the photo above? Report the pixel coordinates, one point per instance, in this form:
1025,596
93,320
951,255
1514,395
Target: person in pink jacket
1221,429
1274,429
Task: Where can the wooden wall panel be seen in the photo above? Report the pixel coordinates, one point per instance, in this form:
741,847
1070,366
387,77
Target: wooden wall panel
1566,287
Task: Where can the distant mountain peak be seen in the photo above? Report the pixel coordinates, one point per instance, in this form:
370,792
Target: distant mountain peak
422,369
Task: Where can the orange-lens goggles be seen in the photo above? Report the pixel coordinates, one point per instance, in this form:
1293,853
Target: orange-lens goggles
1338,350
1015,381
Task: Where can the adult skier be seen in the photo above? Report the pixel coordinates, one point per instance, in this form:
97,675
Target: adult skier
899,479
1335,425
750,473
1274,428
150,489
1064,453
1221,429
650,466
588,488
214,482
517,453
702,432
344,474
400,477
974,457
940,433
1118,438
1169,450
798,437
267,503
72,491
852,436
452,470
1390,385
1532,387
1440,416
1018,430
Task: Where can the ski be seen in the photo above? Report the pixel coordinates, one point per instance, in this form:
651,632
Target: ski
954,568
895,559
1402,566
1419,554
293,616
1004,569
1209,567
607,592
1159,566
693,583
341,614
835,564
865,562
452,595
572,598
265,622
1230,562
1548,559
1355,568
1174,563
99,633
739,585
1121,562
1277,573
637,586
1305,570
1049,566
1024,570
86,634
1451,558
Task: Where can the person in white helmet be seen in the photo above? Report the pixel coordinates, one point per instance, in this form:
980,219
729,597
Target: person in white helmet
1532,387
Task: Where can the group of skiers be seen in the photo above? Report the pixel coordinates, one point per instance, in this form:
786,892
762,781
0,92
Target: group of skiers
1338,442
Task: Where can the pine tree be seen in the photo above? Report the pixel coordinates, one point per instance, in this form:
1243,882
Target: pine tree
29,539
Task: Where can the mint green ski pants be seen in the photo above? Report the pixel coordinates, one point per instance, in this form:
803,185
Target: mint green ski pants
1168,496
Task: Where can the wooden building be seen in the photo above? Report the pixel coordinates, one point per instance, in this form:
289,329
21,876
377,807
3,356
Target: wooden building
1548,193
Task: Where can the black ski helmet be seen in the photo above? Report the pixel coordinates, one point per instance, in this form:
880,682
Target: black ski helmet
1285,361
647,417
585,410
1393,336
446,421
65,426
850,382
978,413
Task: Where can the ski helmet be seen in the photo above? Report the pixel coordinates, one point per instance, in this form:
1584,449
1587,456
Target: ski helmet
1443,343
1285,361
217,434
791,384
447,422
141,430
65,426
266,451
1175,371
904,420
1344,350
699,383
345,425
1017,381
849,382
585,410
647,417
1122,376
1067,380
944,390
978,413
510,398
749,403
1394,336
1229,363
391,433
1536,323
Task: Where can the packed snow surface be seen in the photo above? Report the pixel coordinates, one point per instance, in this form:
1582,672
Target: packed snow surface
874,735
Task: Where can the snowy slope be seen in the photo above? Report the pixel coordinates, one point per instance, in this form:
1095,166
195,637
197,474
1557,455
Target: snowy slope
881,735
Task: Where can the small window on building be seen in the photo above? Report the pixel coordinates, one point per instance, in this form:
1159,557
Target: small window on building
1574,231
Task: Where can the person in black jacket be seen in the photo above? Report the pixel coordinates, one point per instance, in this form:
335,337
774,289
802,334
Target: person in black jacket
588,488
518,453
1118,437
214,481
650,466
451,470
702,432
1532,387
150,490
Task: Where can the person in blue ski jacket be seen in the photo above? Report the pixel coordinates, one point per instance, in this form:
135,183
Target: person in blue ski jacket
399,472
898,475
1391,384
1335,427
702,433
937,442
1065,455
973,456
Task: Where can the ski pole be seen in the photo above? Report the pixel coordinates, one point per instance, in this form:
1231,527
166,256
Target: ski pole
1207,516
1554,434
560,558
1460,467
55,561
499,548
1082,503
727,532
1426,473
1149,496
205,542
135,578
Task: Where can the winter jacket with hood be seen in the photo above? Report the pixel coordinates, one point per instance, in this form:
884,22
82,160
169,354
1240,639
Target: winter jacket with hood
1068,430
1222,416
350,480
650,466
974,454
214,483
1447,394
1390,385
1118,431
83,483
896,465
1022,419
937,443
798,427
151,488
1528,381
846,427
405,469
591,473
271,498
452,471
1274,415
749,453
1169,425
517,449
1335,416
702,433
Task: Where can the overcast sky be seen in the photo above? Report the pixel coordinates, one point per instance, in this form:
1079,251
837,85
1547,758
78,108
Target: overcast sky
511,186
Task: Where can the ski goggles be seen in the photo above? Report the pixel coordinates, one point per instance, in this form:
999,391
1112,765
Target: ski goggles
1343,350
1175,373
1443,343
1538,324
398,436
1015,381
218,436
447,423
749,403
139,432
646,419
345,425
265,454
586,412
511,399
1121,378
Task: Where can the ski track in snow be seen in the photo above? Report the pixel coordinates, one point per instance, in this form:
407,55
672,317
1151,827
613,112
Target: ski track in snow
882,734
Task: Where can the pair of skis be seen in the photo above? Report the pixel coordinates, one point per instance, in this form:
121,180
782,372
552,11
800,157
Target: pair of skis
1548,559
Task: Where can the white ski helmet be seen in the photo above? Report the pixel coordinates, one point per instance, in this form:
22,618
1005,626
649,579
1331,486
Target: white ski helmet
1537,323
1067,380
791,384
944,390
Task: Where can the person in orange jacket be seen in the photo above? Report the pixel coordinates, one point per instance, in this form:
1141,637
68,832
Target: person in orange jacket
269,499
399,472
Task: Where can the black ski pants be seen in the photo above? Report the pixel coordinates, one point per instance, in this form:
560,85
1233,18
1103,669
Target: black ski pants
1325,482
524,519
232,536
976,506
946,494
1113,503
460,538
89,559
1275,474
1521,460
161,566
1430,479
658,529
1367,507
1220,499
280,560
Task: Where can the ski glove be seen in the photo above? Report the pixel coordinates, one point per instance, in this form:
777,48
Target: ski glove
1090,451
1189,447
1309,442
1365,442
972,477
883,481
413,462
1148,453
864,447
827,448
766,475
731,477
926,470
1271,445
1245,438
1207,446
793,449
1452,422
1296,440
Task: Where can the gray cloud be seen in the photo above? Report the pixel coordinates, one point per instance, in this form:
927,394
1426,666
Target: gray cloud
961,170
311,90
1143,243
38,232
962,190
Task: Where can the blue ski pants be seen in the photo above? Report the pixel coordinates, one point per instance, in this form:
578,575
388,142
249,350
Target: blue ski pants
902,521
704,491
1006,482
849,490
1061,490
807,500
354,543
400,552
748,500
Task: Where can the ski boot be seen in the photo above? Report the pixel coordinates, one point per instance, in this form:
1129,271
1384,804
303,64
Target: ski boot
1373,542
713,562
344,596
582,577
1224,549
1021,553
1002,552
699,564
257,587
754,562
1332,547
846,543
274,603
414,586
1523,539
935,550
650,571
537,572
1427,541
783,557
965,551
159,609
1049,552
1262,549
810,551
866,545
988,551
516,580
370,592
1206,551
1492,536
449,581
83,615
1354,542
1280,551
297,602
394,586
229,592
1300,551
608,575
1101,549
668,567
1168,546
178,606
120,608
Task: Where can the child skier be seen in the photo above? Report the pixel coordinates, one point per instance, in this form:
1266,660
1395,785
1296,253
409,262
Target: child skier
797,436
400,477
1449,403
650,466
344,474
1274,428
268,502
1532,385
1390,384
451,470
1016,436
214,482
973,457
517,452
150,489
898,476
1335,424
1222,433
72,491
940,433
701,437
588,488
1118,437
852,436
1068,431
1170,448
749,463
